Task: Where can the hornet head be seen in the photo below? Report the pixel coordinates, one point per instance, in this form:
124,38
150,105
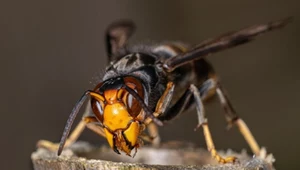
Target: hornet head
117,103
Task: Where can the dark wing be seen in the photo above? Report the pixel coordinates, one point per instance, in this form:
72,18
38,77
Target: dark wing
222,42
117,35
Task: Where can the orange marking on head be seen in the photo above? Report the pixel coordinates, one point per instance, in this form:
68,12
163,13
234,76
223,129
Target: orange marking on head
116,116
111,96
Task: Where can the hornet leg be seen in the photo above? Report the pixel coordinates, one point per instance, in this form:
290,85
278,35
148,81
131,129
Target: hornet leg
233,118
153,136
160,108
209,88
202,121
85,122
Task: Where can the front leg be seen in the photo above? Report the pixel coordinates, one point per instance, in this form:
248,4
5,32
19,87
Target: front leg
161,107
88,122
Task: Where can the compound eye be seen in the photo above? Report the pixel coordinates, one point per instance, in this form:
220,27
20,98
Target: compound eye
126,98
98,107
132,104
130,100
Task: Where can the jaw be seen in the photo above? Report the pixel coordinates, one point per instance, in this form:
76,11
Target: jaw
122,144
124,140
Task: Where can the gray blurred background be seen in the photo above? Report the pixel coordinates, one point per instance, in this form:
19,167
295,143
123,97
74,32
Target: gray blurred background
50,50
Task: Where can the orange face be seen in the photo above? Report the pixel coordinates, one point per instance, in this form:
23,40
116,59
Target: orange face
119,111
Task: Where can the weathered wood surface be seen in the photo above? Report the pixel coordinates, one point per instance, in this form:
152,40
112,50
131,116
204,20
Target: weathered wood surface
82,156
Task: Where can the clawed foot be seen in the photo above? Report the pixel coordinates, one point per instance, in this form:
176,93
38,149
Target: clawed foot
230,159
265,156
